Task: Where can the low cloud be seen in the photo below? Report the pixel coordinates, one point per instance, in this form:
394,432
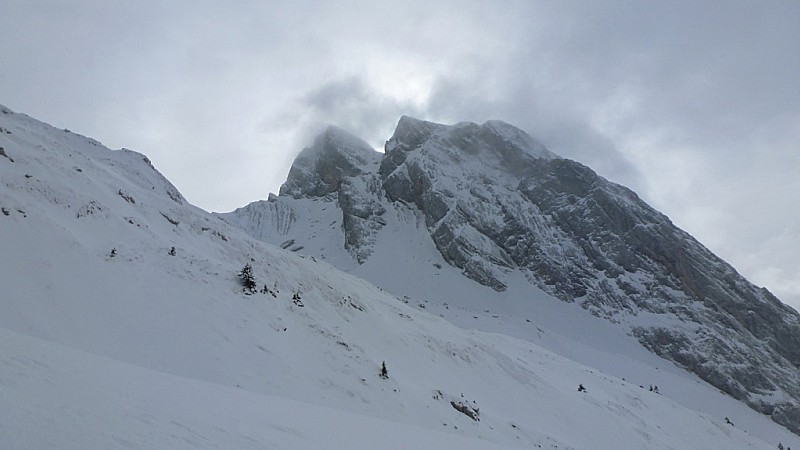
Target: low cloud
351,103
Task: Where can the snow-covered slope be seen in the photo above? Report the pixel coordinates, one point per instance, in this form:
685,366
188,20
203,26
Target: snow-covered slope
123,324
484,226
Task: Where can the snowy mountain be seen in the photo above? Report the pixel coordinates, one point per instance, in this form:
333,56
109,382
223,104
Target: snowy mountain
124,323
481,221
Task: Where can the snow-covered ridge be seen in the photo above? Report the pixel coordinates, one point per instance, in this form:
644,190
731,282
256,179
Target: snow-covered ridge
412,133
123,323
489,202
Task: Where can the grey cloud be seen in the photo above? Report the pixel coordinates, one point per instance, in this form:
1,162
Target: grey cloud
704,84
519,93
353,105
692,104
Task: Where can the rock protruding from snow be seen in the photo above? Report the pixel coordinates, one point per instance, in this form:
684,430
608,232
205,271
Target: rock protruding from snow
320,169
337,167
462,177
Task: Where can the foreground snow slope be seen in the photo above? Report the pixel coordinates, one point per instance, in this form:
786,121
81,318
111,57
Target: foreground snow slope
58,397
109,340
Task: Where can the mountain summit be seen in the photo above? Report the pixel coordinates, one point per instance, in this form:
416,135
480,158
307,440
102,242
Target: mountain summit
335,156
497,206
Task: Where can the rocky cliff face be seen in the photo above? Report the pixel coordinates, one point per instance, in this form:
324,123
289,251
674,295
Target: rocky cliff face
343,168
495,202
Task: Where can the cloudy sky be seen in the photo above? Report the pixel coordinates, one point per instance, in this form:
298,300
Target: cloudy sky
693,104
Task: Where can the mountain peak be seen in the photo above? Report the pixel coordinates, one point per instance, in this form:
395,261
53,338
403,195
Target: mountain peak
518,138
319,169
341,139
411,133
497,206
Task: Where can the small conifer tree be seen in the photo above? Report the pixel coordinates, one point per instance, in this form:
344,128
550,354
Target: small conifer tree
246,277
384,373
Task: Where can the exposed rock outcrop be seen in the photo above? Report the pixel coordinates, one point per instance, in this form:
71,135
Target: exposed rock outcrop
495,201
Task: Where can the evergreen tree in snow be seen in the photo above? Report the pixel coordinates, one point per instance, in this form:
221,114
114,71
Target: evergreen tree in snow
384,373
246,277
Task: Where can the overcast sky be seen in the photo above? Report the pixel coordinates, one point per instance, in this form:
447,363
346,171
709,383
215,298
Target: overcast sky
695,105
